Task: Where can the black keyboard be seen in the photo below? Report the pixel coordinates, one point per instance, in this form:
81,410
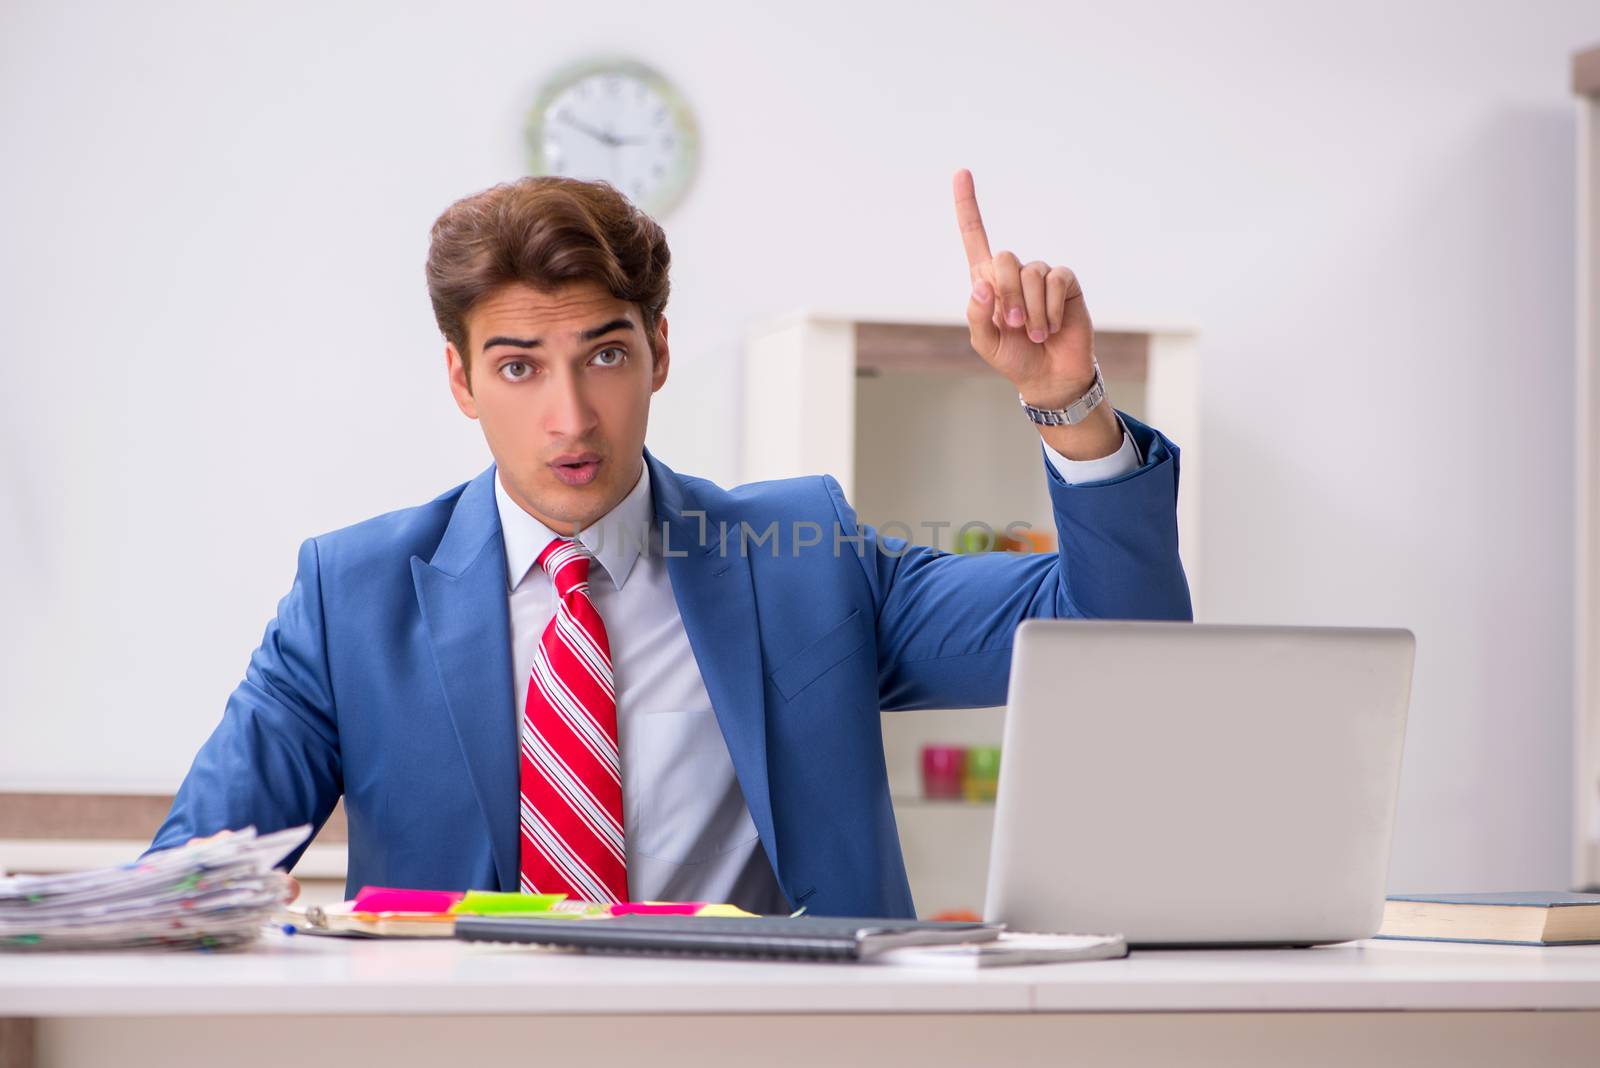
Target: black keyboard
779,937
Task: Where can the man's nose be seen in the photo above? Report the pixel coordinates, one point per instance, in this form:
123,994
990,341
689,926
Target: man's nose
569,415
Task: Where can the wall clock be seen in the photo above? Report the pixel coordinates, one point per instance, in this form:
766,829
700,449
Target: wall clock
619,120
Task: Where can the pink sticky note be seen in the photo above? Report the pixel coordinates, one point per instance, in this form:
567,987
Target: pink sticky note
384,899
657,908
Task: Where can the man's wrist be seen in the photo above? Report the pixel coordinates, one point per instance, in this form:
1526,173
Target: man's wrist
1124,461
1053,395
1096,437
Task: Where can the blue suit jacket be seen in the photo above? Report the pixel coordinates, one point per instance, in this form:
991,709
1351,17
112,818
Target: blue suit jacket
386,676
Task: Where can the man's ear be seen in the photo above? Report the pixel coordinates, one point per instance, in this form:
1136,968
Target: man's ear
460,385
658,372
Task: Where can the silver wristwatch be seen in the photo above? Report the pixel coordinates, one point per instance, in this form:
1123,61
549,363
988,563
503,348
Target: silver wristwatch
1074,413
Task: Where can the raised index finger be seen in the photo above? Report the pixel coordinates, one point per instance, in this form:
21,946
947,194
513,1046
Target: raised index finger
973,235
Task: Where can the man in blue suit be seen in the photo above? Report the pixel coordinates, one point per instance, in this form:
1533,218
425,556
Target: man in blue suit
736,645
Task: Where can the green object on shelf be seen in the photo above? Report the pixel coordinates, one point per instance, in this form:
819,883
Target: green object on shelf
974,538
982,777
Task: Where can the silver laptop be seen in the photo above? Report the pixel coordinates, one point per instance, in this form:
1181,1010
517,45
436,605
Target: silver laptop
1196,784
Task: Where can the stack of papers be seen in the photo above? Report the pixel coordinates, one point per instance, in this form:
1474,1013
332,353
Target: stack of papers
205,895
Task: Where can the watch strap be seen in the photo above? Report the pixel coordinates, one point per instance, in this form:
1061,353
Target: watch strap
1074,413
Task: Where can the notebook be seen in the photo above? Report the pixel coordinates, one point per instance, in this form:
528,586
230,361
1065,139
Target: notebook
776,937
1526,919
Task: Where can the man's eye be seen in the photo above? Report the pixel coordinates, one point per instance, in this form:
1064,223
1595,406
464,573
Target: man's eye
609,357
515,370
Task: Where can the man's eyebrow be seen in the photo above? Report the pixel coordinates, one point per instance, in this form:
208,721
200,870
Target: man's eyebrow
602,331
587,335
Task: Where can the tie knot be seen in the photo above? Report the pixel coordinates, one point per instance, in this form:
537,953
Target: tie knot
567,563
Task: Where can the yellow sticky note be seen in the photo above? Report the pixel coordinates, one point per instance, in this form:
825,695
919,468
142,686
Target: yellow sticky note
723,910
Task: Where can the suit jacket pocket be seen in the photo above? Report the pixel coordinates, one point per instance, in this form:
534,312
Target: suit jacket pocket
806,666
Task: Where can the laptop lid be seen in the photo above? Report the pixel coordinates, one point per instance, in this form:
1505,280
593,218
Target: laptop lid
1199,784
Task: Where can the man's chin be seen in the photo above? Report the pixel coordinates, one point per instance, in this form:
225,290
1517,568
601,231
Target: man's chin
567,508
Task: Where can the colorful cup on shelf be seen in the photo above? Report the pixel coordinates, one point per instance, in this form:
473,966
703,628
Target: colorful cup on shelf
943,769
1019,540
974,538
981,780
1036,541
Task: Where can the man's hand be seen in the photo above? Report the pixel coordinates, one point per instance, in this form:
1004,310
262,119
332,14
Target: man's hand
294,884
1029,322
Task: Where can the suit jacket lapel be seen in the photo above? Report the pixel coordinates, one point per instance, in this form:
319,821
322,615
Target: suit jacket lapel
462,594
717,603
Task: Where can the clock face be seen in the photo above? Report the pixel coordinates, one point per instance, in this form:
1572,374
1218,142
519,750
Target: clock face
620,121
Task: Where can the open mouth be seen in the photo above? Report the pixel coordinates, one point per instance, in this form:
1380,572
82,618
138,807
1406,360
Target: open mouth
576,470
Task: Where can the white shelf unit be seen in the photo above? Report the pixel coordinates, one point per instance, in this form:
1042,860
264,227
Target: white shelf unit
919,430
1586,778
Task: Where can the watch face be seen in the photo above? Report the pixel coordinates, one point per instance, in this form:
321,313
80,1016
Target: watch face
619,121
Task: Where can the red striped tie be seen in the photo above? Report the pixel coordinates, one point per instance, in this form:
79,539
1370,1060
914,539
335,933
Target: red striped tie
571,770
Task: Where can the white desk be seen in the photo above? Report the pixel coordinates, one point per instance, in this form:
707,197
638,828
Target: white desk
308,1001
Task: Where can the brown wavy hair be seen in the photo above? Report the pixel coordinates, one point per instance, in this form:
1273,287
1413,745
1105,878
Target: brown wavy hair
544,232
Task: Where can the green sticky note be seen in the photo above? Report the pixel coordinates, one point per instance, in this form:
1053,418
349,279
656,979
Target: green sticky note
490,903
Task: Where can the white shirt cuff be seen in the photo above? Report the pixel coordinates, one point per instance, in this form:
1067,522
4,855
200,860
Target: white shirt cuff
1077,472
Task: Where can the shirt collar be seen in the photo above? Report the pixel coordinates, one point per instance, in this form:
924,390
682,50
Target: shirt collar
615,539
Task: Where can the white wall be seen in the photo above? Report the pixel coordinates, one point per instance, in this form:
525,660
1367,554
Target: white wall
216,339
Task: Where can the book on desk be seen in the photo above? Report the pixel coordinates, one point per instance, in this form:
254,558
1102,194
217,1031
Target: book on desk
1535,918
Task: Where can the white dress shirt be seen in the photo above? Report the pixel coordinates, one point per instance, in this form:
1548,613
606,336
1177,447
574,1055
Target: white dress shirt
688,831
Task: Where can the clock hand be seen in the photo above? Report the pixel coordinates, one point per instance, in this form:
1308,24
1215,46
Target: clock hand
614,141
598,135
